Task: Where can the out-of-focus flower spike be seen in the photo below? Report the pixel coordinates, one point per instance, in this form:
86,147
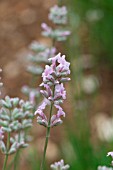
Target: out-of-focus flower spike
58,15
58,34
37,46
60,166
110,154
46,28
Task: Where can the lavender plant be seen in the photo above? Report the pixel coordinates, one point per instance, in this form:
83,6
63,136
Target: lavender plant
54,94
38,57
16,115
41,52
58,15
15,118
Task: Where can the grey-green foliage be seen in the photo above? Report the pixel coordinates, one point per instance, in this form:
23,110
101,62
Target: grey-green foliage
39,55
15,114
35,70
32,93
58,15
15,118
37,58
57,34
39,52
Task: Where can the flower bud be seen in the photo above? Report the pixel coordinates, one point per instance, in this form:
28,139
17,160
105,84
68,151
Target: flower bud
3,147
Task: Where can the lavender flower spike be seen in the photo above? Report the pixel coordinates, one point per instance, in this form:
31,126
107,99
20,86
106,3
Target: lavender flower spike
58,34
58,15
54,92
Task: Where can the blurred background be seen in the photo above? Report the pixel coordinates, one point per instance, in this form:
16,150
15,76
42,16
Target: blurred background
87,132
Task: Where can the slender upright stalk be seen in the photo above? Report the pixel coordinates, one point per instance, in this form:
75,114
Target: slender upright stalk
16,159
17,155
6,156
49,122
47,136
5,162
59,2
46,140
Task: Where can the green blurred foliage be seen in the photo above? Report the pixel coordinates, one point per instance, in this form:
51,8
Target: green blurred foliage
91,23
97,17
82,151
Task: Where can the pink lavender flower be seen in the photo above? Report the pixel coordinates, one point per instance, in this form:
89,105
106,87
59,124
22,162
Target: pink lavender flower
43,105
46,28
60,93
54,91
47,74
42,119
47,93
60,111
56,119
59,69
60,64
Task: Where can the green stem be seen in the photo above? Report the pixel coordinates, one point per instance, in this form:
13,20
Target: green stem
49,122
5,162
6,156
15,159
16,156
46,140
53,42
59,2
47,135
11,164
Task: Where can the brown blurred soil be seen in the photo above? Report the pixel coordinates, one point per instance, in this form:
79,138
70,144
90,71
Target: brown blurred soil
19,25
